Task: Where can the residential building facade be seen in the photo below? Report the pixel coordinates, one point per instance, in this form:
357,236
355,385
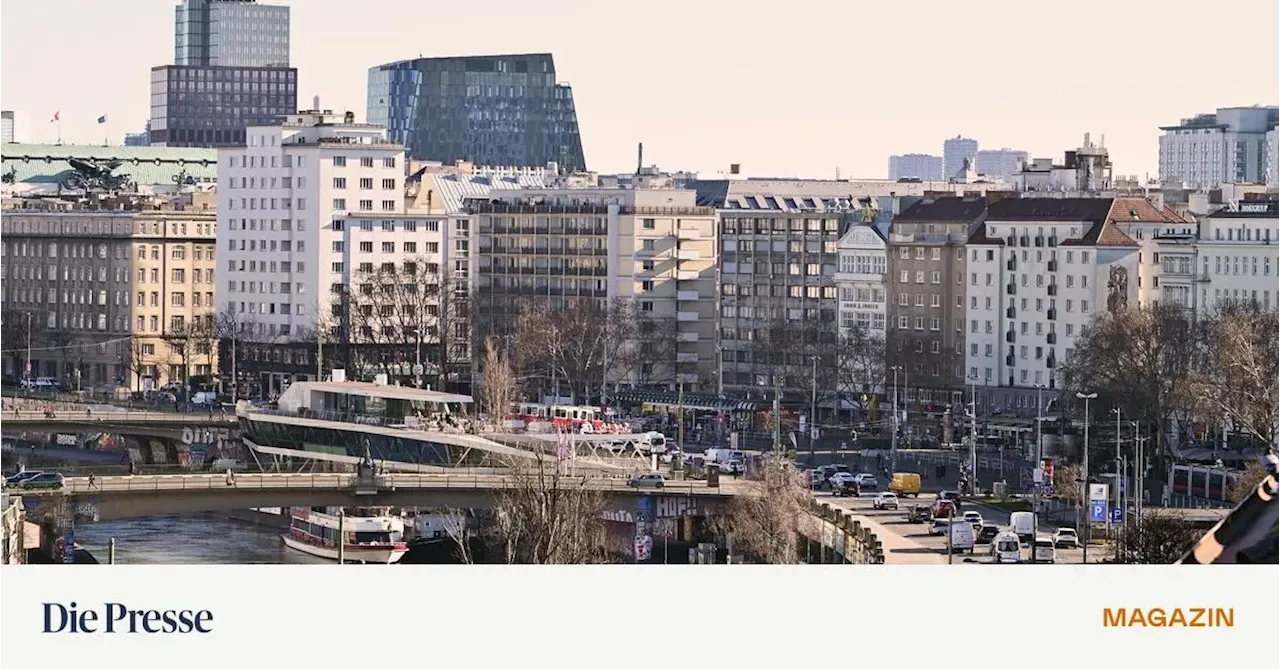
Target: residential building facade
926,307
1238,261
554,247
915,166
1152,226
117,298
1040,270
489,110
861,279
956,153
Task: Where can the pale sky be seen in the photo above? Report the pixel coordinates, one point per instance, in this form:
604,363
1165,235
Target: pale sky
797,88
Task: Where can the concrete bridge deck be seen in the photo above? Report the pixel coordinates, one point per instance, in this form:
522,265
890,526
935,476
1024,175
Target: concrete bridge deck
38,419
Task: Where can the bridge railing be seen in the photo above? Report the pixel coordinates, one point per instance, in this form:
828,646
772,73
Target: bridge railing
850,540
82,415
324,481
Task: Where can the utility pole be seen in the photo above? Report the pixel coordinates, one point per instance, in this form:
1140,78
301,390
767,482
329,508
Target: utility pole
973,436
28,375
680,419
777,414
893,443
1037,467
342,535
1119,479
1084,484
235,380
813,414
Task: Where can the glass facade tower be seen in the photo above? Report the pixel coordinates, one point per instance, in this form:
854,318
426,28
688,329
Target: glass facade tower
504,110
231,70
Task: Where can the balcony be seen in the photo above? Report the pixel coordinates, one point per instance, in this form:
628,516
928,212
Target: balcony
1039,240
687,316
1008,361
1011,264
1053,289
688,233
687,337
1011,289
686,357
1011,241
687,275
1053,265
688,295
1010,312
1024,241
688,254
1200,278
1051,362
1053,241
1051,338
1053,314
1010,336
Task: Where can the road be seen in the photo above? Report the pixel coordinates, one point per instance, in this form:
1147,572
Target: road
907,543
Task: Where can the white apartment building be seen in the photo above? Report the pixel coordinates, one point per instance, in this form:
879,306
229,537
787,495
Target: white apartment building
915,166
1002,163
1040,269
1233,260
1230,145
1151,225
860,281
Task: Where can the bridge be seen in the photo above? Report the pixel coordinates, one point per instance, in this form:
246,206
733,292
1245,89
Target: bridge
120,497
100,420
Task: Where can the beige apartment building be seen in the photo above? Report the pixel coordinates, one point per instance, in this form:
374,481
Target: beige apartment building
114,296
654,246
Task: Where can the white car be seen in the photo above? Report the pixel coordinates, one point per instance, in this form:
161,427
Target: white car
1066,537
840,478
939,527
866,481
885,500
974,518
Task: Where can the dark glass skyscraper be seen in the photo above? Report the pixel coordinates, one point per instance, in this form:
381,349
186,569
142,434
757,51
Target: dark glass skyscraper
231,70
490,110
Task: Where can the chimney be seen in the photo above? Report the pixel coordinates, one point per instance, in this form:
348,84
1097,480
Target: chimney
349,117
735,168
639,157
315,103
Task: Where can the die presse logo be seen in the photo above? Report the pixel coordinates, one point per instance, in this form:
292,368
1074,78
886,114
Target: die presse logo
115,618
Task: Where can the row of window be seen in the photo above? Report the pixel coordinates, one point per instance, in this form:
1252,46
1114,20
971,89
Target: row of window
747,290
366,225
266,182
268,225
935,300
271,266
283,245
366,183
935,277
339,246
266,287
261,203
340,204
365,161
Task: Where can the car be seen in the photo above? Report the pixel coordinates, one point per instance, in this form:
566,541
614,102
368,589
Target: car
918,514
974,519
42,481
1042,551
839,478
939,526
943,509
950,496
885,500
846,488
21,476
1065,537
645,481
866,481
987,533
1006,548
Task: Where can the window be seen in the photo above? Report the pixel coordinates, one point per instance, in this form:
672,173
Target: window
904,253
905,276
647,244
920,276
388,205
339,182
902,322
647,224
338,161
340,204
366,205
904,299
388,162
366,161
366,183
388,247
410,247
388,184
179,276
366,247
646,285
338,246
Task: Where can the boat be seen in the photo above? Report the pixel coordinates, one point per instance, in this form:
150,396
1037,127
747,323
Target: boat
371,534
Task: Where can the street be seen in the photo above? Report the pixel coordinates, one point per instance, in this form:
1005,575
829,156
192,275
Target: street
908,543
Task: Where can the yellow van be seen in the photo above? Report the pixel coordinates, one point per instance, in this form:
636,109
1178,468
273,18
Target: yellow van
905,483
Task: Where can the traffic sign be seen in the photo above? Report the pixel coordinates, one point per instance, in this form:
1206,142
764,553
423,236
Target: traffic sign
1117,516
1098,511
1097,492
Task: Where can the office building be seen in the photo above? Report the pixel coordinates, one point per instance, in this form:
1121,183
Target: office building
231,70
553,247
118,296
926,307
139,138
1039,271
999,163
1227,146
6,127
231,33
1273,158
488,110
915,166
957,153
1087,169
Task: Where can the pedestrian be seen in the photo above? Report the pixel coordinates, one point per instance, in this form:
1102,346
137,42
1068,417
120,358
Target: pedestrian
92,480
88,412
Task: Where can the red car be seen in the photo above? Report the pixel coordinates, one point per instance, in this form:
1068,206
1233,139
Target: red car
944,509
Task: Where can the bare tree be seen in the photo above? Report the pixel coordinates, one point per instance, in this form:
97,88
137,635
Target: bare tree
458,525
764,519
1155,538
1066,483
498,384
21,329
548,516
1245,484
178,338
139,351
860,365
1239,375
1140,359
580,345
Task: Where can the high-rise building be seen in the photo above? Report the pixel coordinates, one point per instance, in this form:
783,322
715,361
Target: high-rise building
231,70
6,127
488,110
955,152
920,166
231,33
139,138
1000,162
1227,146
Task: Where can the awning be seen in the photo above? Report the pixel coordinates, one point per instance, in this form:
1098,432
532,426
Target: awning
701,401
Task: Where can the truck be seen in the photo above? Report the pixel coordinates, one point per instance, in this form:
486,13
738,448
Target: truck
727,460
1022,523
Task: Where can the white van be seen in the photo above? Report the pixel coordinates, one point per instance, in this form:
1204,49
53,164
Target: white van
1006,548
1023,524
1043,551
961,536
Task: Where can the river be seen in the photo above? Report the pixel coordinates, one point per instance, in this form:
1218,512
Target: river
194,539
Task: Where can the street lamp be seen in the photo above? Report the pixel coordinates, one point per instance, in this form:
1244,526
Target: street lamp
1084,485
893,443
1037,467
973,434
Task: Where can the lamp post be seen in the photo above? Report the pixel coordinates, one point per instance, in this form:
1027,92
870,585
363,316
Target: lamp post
1084,484
1038,453
893,443
813,414
973,434
1119,462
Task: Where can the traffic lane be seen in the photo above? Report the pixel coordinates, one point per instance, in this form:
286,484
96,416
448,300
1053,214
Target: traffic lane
896,521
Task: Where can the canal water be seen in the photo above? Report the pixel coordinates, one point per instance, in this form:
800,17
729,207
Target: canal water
194,539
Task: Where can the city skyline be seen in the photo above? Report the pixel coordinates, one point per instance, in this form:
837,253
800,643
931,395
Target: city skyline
671,103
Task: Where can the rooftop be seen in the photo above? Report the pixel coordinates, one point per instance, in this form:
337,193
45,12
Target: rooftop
966,209
1070,209
145,165
1141,210
1250,209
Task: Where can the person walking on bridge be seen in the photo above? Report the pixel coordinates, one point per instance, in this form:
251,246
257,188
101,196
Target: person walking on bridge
92,480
